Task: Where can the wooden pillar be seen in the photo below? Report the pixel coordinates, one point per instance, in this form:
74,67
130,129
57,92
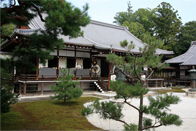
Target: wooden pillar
81,85
110,66
42,89
147,83
75,54
161,83
75,60
156,83
13,74
20,88
57,69
37,64
25,89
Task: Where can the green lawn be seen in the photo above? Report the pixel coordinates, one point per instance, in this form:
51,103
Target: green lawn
47,115
174,89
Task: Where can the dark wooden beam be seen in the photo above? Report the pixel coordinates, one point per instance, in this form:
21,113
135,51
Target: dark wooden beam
57,70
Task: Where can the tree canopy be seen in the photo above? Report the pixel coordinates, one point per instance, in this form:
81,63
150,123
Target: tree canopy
187,34
162,23
62,18
168,24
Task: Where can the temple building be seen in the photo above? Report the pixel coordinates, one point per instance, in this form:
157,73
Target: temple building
80,54
183,64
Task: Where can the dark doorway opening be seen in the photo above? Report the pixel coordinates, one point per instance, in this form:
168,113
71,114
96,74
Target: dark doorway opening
71,62
86,63
52,62
104,68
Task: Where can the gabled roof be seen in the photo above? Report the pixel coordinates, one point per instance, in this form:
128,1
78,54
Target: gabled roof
188,58
97,34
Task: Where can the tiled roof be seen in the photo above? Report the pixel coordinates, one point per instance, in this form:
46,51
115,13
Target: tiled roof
188,58
98,34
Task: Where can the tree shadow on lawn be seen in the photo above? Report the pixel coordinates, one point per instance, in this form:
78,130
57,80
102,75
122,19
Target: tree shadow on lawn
68,103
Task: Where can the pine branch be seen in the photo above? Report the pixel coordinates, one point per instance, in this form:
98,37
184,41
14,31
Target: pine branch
152,71
20,18
13,4
38,11
121,121
133,106
118,119
152,126
126,74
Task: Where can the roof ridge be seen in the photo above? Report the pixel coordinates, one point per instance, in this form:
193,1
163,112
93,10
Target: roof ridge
182,55
193,43
187,59
98,44
107,24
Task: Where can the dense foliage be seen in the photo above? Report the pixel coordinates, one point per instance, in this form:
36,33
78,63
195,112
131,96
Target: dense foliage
7,30
187,34
162,22
59,16
7,97
167,24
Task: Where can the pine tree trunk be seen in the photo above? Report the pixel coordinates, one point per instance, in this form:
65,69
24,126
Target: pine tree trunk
140,114
64,101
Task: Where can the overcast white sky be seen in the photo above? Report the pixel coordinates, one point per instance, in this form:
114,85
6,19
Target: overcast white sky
105,10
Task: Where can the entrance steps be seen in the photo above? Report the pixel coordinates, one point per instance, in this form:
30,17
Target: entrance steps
98,86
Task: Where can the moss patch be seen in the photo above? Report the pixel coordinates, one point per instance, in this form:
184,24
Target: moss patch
174,89
47,115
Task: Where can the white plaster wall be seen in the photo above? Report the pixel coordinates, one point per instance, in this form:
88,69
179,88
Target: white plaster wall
46,86
62,52
70,53
54,53
79,62
83,54
62,62
41,65
66,53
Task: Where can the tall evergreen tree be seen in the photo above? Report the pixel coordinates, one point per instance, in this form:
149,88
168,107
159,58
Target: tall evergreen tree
131,66
61,18
187,34
168,24
66,88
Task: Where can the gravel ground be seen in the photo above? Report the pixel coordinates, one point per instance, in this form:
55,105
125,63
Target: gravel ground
186,109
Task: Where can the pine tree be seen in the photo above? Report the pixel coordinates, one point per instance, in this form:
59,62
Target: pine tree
66,88
61,18
7,97
168,24
131,66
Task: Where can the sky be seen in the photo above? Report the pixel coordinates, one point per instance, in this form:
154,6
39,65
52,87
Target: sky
105,10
